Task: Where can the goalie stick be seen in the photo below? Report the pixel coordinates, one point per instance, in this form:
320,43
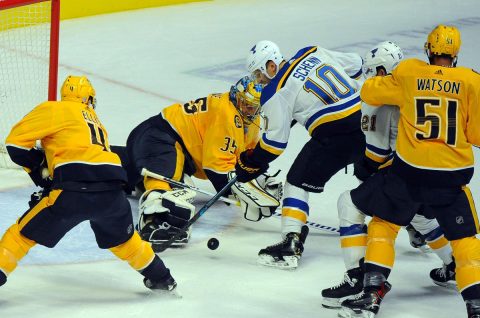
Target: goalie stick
148,173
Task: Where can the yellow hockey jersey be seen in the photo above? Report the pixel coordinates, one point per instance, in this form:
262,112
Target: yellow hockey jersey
439,118
73,138
212,131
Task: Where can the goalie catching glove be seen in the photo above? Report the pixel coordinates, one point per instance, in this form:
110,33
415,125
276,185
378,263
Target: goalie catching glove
255,201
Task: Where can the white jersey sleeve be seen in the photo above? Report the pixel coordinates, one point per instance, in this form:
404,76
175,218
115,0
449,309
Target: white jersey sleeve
350,62
380,125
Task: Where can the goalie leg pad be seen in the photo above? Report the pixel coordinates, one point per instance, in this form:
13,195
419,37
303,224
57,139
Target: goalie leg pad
178,203
255,202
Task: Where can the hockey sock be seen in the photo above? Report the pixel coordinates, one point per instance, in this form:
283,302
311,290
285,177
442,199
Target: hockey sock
13,247
466,252
137,253
295,209
353,231
380,245
439,245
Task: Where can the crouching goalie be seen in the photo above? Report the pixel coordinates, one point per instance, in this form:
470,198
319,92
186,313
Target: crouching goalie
201,138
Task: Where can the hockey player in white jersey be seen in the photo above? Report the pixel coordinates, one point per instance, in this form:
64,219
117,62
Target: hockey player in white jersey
318,89
380,127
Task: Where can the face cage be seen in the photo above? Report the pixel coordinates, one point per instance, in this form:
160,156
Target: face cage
244,103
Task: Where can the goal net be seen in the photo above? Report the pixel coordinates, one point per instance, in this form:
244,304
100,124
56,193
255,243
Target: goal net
28,61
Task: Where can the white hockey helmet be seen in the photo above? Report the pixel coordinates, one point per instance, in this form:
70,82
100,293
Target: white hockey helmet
260,54
385,54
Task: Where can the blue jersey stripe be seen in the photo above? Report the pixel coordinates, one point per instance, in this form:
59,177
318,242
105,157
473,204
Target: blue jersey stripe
276,144
356,75
331,109
380,151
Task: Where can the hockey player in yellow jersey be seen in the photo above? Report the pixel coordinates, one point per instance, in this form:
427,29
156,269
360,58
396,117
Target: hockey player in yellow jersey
81,180
200,138
439,118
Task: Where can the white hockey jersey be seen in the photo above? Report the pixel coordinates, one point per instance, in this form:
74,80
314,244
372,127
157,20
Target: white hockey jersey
319,89
380,126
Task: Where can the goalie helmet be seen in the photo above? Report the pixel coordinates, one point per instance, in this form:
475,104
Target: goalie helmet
385,54
260,54
245,96
78,89
443,40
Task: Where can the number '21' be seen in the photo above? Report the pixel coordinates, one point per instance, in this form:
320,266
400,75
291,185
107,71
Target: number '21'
339,87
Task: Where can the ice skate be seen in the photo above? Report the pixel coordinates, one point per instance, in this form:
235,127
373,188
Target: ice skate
285,254
167,286
417,240
366,304
473,308
350,286
445,276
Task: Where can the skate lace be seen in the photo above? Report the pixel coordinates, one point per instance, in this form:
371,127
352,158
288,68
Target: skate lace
346,280
279,243
442,271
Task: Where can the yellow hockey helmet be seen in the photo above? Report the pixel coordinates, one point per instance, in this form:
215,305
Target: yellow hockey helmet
443,40
78,89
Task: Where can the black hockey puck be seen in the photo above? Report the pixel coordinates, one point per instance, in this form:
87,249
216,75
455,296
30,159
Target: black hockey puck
213,243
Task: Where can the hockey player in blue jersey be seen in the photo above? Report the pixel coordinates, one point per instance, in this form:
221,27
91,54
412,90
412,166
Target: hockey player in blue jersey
318,89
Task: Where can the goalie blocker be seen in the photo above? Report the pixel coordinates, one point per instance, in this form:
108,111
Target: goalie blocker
256,200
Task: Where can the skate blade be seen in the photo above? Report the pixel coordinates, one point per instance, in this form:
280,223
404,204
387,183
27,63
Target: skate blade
448,285
167,293
336,303
288,263
331,303
348,313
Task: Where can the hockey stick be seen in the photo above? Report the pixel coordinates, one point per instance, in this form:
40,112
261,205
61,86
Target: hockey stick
179,184
196,216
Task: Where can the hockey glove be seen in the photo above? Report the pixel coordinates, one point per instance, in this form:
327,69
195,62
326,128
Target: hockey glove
36,197
247,168
364,168
40,176
255,202
270,184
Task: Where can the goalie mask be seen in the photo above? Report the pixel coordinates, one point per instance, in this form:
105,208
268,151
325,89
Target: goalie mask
78,89
443,41
245,96
385,55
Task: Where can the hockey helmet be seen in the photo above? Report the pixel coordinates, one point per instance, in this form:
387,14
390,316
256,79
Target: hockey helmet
443,40
385,54
78,89
260,54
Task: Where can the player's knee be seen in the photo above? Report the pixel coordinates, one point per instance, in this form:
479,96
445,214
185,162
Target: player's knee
382,231
348,213
466,251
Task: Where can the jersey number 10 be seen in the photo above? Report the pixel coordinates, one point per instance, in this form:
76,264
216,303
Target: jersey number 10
330,77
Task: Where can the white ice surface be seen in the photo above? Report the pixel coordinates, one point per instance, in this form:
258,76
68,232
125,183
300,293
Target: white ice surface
141,61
